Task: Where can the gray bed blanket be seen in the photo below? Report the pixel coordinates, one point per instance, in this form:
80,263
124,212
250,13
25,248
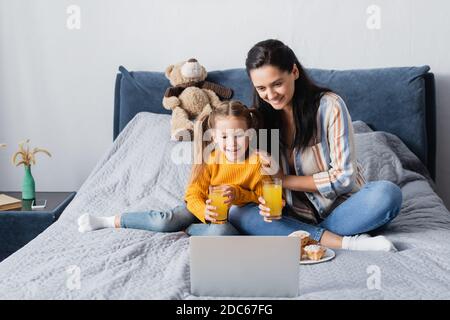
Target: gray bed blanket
138,173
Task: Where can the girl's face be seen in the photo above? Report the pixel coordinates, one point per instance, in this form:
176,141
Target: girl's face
274,86
230,136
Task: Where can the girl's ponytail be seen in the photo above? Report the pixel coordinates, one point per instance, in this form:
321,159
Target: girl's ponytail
201,126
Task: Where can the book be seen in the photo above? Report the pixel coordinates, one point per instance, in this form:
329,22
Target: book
9,203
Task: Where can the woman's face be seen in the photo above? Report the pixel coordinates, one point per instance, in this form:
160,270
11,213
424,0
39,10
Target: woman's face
275,86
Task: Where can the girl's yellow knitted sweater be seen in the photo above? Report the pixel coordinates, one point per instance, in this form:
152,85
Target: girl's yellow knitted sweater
245,177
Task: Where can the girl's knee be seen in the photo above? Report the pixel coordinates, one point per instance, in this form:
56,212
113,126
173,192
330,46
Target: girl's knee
172,220
162,225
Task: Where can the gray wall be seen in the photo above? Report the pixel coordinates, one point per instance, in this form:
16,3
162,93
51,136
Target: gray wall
56,84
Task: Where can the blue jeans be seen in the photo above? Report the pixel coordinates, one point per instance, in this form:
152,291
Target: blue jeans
176,219
372,207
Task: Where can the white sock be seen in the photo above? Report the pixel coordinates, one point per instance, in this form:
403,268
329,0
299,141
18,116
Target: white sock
366,242
89,223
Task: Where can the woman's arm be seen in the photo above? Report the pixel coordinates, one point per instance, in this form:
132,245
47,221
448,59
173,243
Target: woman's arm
340,176
299,183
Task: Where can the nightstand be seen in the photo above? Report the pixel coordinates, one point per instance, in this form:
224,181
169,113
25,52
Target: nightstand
18,227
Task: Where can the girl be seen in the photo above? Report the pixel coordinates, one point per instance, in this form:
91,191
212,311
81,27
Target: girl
231,166
325,189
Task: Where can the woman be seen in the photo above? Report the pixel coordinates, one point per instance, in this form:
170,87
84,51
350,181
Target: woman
324,188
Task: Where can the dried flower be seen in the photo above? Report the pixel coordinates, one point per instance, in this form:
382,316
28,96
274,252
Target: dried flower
28,157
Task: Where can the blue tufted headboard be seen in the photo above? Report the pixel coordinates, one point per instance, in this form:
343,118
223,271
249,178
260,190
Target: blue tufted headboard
396,100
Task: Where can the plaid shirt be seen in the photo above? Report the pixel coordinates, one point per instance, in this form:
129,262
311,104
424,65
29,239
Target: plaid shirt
330,160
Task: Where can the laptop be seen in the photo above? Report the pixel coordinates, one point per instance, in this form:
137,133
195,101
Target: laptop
244,266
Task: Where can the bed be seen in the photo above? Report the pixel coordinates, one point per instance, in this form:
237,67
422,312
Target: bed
393,110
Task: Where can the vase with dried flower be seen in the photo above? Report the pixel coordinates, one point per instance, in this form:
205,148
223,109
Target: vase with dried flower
27,159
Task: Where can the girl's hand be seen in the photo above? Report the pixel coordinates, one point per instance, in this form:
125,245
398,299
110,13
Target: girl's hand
230,193
265,211
209,212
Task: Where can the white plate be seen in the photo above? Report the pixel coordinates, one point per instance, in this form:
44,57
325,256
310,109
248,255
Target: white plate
329,254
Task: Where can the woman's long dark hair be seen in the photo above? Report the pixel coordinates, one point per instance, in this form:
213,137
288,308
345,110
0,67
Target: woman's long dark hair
306,97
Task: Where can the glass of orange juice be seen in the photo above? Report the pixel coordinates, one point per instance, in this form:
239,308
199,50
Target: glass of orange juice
272,194
218,201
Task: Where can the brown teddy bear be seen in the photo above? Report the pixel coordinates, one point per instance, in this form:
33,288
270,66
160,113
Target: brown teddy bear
190,96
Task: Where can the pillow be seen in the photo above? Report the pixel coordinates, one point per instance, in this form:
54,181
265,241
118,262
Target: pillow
136,92
361,127
387,99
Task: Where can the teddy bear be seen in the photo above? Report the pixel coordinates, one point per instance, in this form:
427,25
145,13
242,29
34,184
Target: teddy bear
190,96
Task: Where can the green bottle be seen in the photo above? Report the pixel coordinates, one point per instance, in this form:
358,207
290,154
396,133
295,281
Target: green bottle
28,186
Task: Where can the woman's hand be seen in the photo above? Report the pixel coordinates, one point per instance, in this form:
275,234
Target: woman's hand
230,193
269,166
210,214
265,211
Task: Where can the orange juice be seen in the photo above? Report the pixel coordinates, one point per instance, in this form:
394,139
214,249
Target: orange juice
218,201
272,194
